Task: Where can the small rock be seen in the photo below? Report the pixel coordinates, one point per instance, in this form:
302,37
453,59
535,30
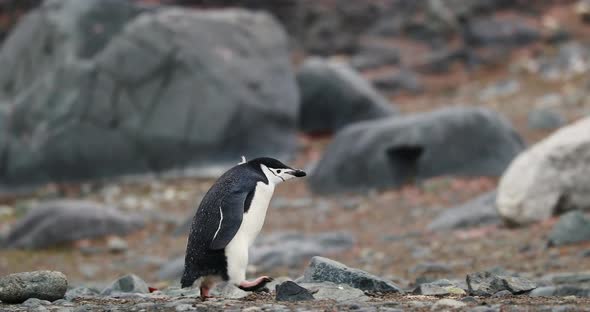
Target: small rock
545,119
430,290
562,291
34,302
184,307
502,293
337,292
45,285
469,299
500,89
130,283
117,245
573,227
448,303
477,212
487,284
180,292
325,270
228,291
290,291
80,292
88,270
568,278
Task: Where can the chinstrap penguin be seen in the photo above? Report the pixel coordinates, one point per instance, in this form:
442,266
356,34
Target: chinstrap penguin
227,222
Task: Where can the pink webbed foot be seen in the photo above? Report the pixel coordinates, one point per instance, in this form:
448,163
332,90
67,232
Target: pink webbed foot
255,285
205,293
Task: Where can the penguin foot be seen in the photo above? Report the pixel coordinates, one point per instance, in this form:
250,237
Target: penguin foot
205,293
256,285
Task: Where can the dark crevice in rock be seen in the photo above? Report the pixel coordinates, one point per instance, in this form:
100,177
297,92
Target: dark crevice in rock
404,161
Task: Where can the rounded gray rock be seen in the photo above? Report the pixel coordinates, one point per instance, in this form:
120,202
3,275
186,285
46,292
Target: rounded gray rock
44,285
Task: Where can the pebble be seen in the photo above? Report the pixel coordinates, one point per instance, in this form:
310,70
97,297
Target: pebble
451,303
117,245
502,293
469,299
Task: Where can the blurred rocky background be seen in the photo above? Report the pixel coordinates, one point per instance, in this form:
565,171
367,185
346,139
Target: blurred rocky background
447,144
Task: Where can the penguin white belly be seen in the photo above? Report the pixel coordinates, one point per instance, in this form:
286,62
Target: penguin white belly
236,251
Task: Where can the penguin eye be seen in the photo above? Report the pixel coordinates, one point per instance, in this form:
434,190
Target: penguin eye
278,171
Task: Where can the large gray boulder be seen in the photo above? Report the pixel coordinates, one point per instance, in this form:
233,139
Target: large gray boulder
551,177
44,285
333,95
165,89
62,221
393,151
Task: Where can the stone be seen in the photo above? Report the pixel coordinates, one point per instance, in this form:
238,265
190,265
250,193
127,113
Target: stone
487,284
80,292
228,291
430,290
573,227
476,212
399,81
503,31
562,291
62,221
545,119
372,55
130,283
290,291
175,291
34,302
336,292
448,303
500,89
326,270
502,293
334,96
108,99
550,177
393,151
117,245
44,285
568,278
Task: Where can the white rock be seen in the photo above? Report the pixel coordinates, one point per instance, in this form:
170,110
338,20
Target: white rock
552,174
448,303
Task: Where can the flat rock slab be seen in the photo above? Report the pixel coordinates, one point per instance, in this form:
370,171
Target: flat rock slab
291,291
325,270
487,284
337,292
44,285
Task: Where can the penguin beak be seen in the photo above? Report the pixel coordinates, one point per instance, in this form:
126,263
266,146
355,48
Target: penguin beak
297,173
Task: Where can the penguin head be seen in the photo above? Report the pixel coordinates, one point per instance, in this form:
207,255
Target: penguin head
274,170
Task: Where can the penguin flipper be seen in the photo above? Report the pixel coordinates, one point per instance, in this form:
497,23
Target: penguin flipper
231,214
